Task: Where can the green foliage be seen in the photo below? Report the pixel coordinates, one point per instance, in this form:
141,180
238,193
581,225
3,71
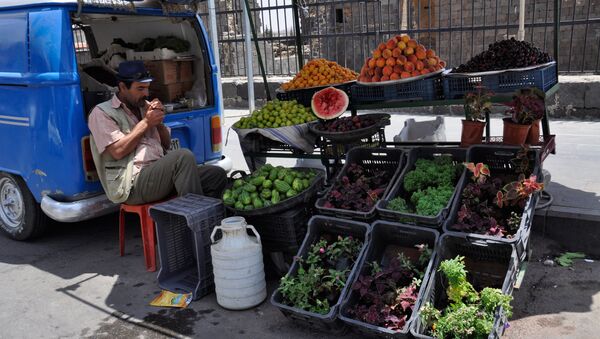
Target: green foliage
398,204
437,172
478,104
470,314
318,282
431,200
566,259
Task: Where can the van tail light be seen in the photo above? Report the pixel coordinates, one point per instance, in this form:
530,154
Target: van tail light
215,134
89,168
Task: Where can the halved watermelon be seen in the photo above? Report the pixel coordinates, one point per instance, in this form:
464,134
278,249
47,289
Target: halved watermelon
329,103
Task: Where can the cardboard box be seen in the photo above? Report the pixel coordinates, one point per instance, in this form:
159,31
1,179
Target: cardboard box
166,72
166,93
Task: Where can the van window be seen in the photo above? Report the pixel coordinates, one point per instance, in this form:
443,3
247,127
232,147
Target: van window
172,49
13,44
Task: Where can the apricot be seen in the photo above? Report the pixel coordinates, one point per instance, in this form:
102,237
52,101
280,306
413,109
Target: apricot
398,69
385,78
394,76
421,55
387,70
401,60
380,62
371,62
390,62
406,38
430,53
404,75
412,43
391,44
442,63
401,45
386,53
419,65
424,71
409,66
432,61
381,46
375,78
376,54
415,73
396,52
409,51
412,58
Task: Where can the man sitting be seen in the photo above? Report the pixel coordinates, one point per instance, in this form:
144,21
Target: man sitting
129,143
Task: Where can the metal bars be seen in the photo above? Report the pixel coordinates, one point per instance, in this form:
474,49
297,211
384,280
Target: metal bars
346,31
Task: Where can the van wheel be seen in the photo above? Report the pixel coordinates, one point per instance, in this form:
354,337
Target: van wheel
21,217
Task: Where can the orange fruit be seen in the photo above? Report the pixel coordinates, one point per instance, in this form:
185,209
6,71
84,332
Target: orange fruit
401,60
415,73
432,61
412,58
398,69
380,62
406,38
419,65
387,70
401,45
381,46
404,75
424,71
420,54
385,78
408,51
409,66
430,53
396,52
375,78
386,53
394,76
390,62
442,63
376,54
412,43
391,44
371,62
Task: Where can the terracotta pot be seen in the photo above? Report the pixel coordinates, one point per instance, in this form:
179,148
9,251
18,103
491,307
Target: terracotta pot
533,138
472,133
514,134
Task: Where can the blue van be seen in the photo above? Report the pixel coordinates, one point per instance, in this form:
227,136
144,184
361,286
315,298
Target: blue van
57,59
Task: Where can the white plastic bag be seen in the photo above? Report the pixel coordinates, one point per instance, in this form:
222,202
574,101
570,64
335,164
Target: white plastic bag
429,130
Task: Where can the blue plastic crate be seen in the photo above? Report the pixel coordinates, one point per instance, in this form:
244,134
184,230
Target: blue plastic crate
423,89
456,87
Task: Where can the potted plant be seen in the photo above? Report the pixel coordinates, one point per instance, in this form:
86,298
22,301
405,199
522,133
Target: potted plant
477,106
526,110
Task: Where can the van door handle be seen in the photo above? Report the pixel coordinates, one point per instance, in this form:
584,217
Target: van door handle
175,124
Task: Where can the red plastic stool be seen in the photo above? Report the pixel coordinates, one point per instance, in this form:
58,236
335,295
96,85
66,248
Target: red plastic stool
148,237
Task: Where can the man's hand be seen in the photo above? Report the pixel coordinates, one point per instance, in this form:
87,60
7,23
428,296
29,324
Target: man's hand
155,113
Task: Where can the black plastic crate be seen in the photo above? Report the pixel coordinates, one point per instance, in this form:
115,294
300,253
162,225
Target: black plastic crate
397,190
500,160
389,238
390,159
457,86
488,265
317,226
304,96
282,232
422,89
334,153
183,227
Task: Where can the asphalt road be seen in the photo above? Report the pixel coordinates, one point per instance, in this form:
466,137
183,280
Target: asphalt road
72,283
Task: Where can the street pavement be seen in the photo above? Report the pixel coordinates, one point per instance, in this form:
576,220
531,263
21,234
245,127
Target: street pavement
72,283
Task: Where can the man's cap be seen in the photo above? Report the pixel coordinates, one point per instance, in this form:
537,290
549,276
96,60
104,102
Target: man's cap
133,71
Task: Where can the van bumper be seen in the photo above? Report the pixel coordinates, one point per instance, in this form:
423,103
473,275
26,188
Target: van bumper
80,210
225,163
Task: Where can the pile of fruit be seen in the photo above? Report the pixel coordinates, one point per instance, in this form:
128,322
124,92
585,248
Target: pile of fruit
345,124
505,54
358,190
320,72
400,58
277,114
266,187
